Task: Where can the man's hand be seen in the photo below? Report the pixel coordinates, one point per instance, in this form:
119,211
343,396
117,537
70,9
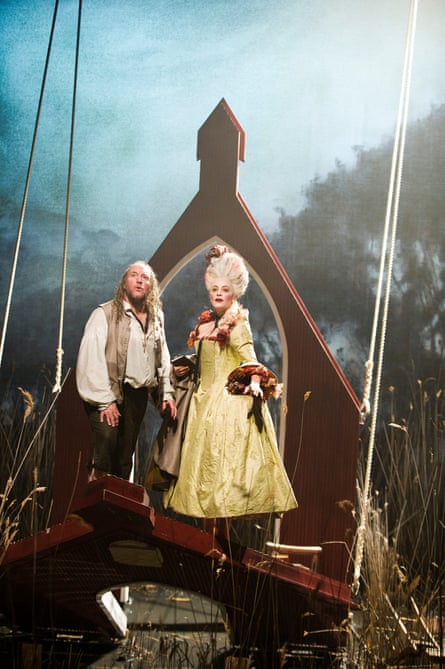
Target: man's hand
181,370
171,406
111,415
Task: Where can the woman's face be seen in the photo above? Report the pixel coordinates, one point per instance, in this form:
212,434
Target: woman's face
221,295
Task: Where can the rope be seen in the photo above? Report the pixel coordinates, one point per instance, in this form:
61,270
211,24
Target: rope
59,350
26,190
392,211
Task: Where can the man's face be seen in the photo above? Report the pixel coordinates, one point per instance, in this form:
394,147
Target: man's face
137,283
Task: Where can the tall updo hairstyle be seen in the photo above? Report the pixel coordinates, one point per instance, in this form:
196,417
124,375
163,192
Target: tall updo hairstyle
223,263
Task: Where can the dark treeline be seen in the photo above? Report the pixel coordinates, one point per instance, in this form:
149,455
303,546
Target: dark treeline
331,251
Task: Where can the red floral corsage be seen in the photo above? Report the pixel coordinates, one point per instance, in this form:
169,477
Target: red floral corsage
239,379
222,336
222,333
206,316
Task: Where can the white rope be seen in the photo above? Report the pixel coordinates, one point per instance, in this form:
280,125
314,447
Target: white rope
392,211
59,350
25,193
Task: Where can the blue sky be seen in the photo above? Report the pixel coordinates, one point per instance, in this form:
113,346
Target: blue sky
307,79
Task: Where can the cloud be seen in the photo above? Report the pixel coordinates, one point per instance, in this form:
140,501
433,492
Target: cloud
307,81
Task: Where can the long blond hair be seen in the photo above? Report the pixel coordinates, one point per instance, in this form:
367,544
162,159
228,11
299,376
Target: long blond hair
153,301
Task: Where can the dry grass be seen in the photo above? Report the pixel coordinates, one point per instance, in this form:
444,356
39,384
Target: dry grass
27,443
403,569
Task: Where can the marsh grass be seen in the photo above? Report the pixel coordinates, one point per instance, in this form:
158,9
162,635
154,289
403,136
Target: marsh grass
403,570
27,446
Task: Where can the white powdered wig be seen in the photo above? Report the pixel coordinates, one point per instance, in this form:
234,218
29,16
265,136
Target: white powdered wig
224,263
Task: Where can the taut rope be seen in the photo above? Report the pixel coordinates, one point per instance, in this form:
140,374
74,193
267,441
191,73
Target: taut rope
59,351
392,210
25,193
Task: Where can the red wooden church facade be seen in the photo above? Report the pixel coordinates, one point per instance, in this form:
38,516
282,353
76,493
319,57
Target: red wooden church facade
319,435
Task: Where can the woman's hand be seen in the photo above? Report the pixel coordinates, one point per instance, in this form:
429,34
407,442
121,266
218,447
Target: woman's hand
254,387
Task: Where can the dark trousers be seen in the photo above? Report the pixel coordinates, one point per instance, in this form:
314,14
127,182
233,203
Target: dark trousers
114,447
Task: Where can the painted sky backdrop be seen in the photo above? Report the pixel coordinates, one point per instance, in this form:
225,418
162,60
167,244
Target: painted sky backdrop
307,79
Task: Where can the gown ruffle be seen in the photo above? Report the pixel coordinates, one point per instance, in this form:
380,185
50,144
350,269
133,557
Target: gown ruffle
228,467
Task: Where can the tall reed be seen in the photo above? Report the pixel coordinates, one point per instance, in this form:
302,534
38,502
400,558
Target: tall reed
27,445
403,569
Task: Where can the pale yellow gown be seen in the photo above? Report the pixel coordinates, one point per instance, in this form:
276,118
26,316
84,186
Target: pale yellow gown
228,467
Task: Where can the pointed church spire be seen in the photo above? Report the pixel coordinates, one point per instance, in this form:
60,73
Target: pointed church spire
221,145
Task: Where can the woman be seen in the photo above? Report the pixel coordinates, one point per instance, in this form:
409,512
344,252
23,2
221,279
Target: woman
230,464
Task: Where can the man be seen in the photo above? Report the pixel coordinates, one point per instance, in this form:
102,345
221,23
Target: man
123,357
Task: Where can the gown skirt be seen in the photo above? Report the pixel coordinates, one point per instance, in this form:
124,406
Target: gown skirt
228,467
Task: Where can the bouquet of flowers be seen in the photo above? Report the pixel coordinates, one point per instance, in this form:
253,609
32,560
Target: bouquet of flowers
239,379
